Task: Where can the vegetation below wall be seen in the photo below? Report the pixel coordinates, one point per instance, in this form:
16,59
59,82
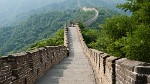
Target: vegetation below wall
124,36
36,27
90,35
57,40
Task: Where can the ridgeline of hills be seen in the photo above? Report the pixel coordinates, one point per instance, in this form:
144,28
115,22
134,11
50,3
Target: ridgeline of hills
12,12
27,28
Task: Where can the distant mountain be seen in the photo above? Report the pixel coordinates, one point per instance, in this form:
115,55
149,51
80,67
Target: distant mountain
13,7
9,9
13,11
30,22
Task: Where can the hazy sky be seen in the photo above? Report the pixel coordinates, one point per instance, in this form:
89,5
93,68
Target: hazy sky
17,6
11,8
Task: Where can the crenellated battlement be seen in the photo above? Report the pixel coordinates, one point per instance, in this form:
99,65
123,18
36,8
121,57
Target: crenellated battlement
27,67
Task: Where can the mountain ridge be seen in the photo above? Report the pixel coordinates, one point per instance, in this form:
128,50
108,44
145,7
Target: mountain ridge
43,23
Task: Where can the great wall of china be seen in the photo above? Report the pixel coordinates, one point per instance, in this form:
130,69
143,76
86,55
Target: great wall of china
27,67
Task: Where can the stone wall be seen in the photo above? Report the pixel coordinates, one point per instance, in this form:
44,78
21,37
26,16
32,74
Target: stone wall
27,67
66,36
112,70
66,40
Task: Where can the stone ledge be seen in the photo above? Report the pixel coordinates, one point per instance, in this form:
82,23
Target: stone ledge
128,64
112,59
104,56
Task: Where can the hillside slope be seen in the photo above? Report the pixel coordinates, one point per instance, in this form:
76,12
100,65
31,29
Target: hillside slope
41,26
37,27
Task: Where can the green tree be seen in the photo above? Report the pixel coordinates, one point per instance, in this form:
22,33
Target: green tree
114,29
126,36
140,10
137,45
58,39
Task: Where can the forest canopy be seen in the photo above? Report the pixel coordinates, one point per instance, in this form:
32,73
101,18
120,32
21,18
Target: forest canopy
126,36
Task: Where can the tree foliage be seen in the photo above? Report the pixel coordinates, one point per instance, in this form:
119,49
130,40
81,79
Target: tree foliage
89,35
57,40
127,36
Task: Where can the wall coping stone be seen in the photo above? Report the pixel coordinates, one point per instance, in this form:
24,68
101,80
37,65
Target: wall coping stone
21,54
100,52
111,59
128,64
105,55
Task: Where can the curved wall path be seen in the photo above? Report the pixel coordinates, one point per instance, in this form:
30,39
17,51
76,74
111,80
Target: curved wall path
75,69
90,21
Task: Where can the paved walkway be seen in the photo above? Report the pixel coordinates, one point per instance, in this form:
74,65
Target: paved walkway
72,70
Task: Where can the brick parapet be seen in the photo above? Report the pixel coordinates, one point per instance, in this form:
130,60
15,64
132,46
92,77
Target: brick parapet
27,67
